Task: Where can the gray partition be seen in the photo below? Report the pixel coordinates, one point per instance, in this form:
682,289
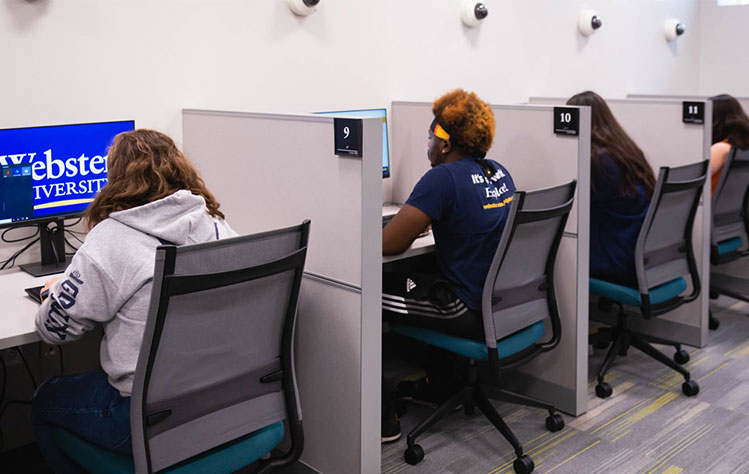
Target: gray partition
526,145
744,101
270,171
656,126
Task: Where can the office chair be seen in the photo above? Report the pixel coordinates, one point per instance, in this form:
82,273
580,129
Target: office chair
663,257
518,297
728,236
215,376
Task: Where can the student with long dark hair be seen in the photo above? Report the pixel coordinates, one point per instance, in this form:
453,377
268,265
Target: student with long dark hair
730,129
622,183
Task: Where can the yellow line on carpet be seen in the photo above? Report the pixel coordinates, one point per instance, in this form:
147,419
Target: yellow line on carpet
673,470
572,457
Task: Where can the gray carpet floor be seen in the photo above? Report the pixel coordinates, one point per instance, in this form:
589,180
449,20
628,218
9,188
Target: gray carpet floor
647,426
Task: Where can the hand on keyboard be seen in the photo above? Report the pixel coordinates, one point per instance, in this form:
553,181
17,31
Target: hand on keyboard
35,293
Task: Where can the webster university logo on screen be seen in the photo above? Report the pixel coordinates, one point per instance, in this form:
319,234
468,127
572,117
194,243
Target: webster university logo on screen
61,181
55,170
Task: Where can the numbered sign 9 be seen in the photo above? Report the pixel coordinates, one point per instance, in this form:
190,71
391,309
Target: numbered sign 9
566,121
693,112
348,137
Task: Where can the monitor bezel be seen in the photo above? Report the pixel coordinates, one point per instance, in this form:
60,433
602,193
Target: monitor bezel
53,217
385,174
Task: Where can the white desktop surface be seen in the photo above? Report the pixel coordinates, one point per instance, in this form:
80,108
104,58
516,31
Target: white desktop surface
17,316
420,246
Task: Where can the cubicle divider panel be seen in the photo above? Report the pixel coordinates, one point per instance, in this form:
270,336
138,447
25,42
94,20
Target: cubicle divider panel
657,128
270,171
536,158
744,101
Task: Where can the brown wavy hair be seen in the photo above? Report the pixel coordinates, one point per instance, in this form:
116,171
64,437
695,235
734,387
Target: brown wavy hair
609,138
730,122
145,166
468,119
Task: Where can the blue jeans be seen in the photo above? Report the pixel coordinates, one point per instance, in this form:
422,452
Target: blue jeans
87,406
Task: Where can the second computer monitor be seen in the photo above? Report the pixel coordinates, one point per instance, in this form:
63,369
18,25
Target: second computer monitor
369,113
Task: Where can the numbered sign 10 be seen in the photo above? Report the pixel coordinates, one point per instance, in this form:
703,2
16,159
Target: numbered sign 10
566,121
348,137
693,112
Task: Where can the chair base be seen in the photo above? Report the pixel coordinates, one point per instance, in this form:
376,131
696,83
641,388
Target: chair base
475,394
622,338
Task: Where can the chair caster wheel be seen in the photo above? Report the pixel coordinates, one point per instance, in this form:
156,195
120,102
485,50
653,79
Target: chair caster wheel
690,388
554,422
603,390
713,322
523,465
681,357
414,454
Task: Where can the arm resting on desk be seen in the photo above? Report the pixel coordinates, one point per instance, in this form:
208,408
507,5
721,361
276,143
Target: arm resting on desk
79,300
405,227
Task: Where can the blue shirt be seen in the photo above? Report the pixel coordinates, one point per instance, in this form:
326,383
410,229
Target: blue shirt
615,222
469,211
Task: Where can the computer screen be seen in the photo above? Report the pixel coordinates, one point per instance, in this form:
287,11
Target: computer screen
368,113
53,171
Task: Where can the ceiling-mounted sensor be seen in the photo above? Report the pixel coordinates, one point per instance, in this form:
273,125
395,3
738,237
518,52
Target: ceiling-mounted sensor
588,22
303,7
673,28
472,12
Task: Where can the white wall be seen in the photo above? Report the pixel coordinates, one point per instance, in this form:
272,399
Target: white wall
70,61
84,60
724,58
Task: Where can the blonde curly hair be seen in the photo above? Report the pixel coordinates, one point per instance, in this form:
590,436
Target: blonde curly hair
468,119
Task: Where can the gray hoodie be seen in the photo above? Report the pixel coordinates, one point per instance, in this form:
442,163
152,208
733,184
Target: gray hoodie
109,279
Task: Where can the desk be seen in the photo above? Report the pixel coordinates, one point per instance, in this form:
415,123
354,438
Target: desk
420,246
17,318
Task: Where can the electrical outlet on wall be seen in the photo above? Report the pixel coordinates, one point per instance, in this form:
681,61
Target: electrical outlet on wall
46,350
10,356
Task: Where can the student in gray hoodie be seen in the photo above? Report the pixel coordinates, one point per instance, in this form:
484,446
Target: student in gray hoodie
153,195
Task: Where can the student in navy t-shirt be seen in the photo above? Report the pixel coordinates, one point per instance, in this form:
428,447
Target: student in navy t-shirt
465,198
622,183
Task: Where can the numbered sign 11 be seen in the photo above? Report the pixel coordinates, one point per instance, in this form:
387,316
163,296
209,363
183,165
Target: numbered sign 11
693,112
566,121
348,137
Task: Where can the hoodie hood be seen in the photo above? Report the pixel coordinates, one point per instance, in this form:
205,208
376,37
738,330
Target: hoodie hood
180,218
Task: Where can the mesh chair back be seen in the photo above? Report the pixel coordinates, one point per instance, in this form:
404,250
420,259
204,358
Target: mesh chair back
729,199
216,361
664,248
519,289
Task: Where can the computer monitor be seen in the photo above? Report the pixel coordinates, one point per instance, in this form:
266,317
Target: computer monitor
50,173
368,113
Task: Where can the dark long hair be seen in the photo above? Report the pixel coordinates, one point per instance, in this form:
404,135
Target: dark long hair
144,166
730,122
609,138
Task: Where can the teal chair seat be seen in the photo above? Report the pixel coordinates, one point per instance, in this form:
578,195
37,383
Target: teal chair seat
631,296
729,246
474,349
97,460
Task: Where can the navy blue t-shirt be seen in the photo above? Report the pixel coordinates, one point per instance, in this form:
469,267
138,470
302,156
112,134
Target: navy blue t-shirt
469,211
615,223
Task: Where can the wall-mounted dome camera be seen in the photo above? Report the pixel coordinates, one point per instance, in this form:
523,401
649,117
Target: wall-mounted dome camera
303,7
473,12
673,28
588,22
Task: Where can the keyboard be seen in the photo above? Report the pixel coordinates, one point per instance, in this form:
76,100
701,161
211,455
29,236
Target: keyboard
33,293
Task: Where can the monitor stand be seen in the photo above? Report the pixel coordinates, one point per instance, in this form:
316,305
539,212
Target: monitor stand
52,243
